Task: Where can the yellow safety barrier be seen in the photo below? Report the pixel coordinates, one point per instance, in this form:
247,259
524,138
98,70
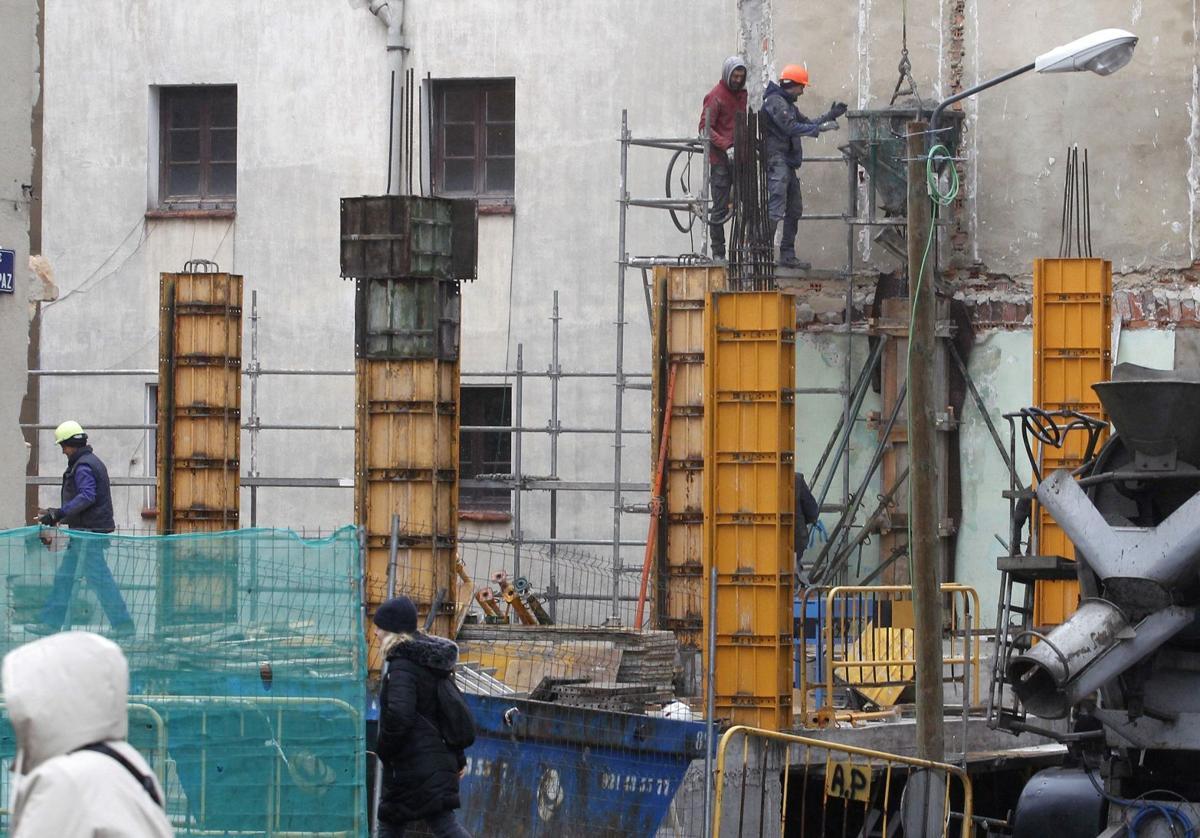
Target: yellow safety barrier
866,638
860,787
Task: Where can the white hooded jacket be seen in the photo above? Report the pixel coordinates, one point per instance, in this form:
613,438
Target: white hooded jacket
63,692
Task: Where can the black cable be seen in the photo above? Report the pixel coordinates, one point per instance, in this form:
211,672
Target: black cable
1042,426
1146,809
667,186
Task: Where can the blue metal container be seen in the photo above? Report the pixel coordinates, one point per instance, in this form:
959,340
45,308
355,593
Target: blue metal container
542,769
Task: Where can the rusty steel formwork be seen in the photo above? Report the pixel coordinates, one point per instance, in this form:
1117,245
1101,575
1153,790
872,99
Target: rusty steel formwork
199,401
406,467
390,236
680,292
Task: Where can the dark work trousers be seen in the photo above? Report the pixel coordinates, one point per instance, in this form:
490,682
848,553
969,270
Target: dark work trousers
99,579
721,186
784,203
444,825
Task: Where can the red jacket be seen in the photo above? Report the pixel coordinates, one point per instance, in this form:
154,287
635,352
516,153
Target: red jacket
723,103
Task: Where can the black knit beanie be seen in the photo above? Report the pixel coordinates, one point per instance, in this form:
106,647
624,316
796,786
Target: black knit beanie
397,615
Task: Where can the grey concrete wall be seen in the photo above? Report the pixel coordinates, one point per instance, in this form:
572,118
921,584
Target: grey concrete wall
18,67
1140,125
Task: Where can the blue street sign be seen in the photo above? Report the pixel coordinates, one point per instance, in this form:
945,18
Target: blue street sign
8,260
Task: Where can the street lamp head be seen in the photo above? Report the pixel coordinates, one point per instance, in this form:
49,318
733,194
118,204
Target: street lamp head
1103,52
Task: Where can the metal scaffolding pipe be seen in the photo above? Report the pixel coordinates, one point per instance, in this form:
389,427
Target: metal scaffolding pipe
619,381
554,372
518,392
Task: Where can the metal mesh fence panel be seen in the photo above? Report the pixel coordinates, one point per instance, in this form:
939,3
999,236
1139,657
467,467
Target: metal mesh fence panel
246,660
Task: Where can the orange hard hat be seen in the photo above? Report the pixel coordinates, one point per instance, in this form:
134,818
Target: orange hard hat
795,74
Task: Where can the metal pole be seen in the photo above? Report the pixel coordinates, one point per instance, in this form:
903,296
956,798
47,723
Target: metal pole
927,602
847,417
710,700
253,372
393,554
554,376
622,258
517,464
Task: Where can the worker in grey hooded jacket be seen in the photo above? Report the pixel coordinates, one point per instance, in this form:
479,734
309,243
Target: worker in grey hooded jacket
75,776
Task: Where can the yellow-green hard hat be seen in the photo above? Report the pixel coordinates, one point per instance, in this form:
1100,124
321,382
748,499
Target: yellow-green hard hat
66,430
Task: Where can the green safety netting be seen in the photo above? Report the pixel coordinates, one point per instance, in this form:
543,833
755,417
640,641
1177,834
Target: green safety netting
246,660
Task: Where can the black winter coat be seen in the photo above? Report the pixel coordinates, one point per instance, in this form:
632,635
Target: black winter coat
420,777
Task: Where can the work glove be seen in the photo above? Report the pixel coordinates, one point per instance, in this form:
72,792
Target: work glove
837,110
50,517
831,125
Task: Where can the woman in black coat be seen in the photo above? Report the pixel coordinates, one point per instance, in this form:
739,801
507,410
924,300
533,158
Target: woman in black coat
420,773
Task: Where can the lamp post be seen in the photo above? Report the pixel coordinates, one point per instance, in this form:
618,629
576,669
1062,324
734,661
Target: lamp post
1102,52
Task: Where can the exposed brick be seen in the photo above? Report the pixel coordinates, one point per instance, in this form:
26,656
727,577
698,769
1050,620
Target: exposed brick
1122,304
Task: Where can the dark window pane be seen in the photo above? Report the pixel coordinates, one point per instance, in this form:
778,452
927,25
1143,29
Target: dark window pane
222,179
199,143
459,105
476,137
483,452
460,141
224,145
184,108
223,108
499,174
183,180
460,176
185,146
501,105
500,140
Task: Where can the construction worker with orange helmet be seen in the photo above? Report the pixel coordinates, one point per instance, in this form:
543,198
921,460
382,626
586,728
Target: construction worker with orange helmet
784,127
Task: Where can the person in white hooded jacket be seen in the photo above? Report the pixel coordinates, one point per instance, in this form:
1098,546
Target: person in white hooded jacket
75,776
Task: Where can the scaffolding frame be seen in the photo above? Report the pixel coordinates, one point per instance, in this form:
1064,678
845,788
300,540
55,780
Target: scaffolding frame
519,481
849,533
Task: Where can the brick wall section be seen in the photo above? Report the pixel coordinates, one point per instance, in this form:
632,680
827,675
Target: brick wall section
956,56
1163,300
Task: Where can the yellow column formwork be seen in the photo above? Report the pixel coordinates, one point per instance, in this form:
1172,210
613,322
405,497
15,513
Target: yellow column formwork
197,442
679,340
406,460
1072,350
749,501
199,401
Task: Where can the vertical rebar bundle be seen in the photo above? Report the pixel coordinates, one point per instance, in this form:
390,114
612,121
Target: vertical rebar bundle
1077,208
752,238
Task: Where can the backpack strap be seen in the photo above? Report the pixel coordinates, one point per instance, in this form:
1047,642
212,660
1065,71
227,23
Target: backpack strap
143,780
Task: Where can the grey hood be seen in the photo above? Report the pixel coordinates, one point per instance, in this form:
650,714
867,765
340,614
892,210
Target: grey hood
63,692
731,64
